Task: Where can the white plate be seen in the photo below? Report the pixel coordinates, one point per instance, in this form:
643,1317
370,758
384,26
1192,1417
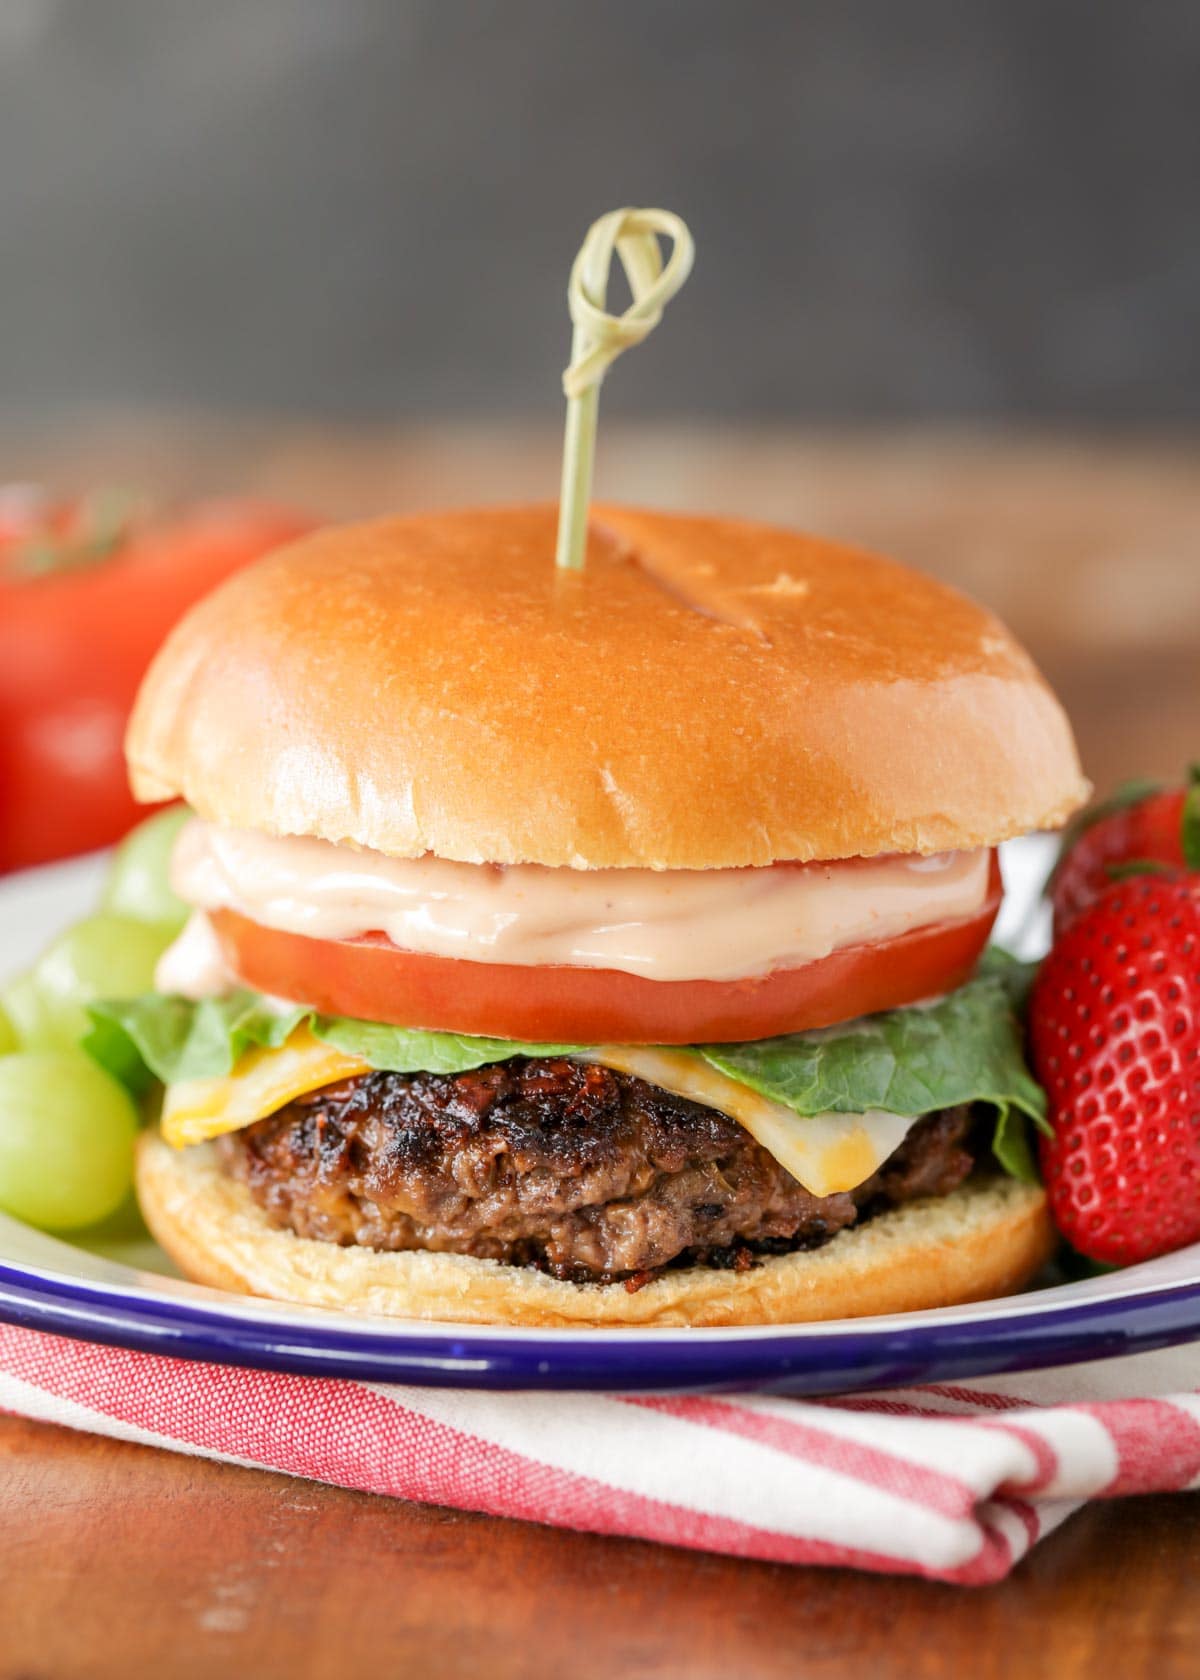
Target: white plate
124,1292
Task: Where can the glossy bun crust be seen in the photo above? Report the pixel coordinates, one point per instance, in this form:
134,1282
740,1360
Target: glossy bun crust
987,1238
707,693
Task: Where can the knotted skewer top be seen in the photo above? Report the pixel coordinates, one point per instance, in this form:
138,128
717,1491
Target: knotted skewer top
599,338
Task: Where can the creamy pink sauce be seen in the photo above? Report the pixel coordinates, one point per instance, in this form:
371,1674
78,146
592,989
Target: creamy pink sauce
716,924
193,965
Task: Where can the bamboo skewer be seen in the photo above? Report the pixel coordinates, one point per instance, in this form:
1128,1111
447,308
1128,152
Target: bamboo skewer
599,338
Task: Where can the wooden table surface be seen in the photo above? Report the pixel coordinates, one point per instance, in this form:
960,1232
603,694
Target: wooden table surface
117,1560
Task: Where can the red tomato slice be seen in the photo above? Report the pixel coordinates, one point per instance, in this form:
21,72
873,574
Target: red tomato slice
372,980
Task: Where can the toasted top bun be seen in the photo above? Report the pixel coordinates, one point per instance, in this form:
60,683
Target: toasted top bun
989,1237
707,693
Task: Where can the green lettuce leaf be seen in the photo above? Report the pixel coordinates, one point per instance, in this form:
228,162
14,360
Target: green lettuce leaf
1011,1143
410,1050
176,1040
965,1048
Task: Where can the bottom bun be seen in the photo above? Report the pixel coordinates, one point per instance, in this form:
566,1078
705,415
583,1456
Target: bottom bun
987,1238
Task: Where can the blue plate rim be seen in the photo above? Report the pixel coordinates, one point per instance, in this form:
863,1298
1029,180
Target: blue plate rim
841,1359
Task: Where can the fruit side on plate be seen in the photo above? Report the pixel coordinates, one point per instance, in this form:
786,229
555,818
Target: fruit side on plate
1115,1029
67,1126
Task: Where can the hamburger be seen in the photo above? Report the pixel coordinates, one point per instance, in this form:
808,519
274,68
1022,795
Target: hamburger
597,948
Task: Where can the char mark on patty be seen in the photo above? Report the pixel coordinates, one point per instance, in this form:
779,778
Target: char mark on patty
586,1173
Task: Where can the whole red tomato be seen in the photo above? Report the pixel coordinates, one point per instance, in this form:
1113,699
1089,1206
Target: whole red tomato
88,589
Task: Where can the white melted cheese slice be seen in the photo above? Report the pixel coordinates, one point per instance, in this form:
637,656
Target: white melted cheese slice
826,1153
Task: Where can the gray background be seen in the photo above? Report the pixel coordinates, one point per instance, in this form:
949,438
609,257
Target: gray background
903,208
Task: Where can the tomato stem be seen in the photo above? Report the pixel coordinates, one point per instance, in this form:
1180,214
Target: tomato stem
98,527
1190,822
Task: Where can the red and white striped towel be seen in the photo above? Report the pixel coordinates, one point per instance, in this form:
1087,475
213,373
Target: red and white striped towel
955,1482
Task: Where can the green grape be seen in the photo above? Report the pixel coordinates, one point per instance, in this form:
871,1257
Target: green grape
26,1012
103,956
137,882
66,1139
8,1034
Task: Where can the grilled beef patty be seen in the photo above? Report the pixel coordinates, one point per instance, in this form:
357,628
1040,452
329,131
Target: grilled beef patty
586,1173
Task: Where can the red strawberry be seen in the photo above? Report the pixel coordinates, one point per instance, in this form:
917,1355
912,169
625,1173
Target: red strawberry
1140,825
1114,1031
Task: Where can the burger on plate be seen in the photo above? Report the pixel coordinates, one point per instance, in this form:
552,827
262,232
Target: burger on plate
592,948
